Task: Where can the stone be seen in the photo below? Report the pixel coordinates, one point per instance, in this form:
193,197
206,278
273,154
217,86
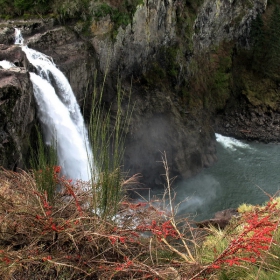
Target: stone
17,116
221,219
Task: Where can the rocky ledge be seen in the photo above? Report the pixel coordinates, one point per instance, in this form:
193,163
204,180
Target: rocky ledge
253,123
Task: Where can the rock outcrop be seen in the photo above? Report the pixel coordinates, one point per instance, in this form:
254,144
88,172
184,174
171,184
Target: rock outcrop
17,110
246,121
153,26
225,20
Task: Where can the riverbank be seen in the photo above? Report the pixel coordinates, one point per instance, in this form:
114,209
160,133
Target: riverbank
242,120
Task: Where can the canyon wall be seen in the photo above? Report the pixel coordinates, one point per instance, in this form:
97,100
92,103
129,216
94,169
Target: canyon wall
152,57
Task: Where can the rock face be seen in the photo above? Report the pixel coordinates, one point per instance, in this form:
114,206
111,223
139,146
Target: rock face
245,121
17,110
146,57
225,20
252,110
159,122
153,26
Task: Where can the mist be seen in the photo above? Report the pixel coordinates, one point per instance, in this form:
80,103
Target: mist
196,195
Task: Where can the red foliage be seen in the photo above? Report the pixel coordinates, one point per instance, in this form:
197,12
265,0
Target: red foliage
160,230
256,237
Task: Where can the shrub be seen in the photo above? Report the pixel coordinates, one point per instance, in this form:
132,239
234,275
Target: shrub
66,239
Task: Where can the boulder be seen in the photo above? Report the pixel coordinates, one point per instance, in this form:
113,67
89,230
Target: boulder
221,219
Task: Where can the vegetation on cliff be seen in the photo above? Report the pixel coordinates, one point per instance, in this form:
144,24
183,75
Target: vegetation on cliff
120,12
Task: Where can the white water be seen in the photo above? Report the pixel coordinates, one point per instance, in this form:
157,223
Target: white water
6,64
230,143
60,116
18,37
48,71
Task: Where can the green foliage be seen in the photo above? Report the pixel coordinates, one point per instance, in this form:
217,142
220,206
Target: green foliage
273,2
107,134
103,10
221,81
121,16
42,161
156,75
68,9
32,6
23,4
164,70
253,69
265,41
6,8
171,61
211,78
245,208
247,247
194,4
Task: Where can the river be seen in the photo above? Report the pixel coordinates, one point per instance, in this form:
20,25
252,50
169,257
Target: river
244,173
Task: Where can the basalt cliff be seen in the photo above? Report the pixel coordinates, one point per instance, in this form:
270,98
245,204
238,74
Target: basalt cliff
184,65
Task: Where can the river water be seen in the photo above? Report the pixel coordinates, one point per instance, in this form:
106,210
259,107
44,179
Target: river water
243,173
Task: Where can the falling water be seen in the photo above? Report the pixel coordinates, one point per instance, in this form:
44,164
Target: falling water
18,37
6,64
59,114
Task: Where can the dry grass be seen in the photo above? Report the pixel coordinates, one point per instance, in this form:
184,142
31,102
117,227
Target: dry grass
65,239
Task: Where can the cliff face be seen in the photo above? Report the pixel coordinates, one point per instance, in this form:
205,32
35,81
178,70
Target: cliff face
153,57
17,109
226,20
153,26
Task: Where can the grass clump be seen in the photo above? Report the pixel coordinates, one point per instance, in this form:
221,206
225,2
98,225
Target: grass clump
107,131
245,208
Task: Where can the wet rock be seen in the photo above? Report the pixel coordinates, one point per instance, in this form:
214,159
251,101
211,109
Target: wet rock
221,219
264,128
17,116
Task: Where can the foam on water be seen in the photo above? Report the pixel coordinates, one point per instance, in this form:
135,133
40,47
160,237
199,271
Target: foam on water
231,143
6,64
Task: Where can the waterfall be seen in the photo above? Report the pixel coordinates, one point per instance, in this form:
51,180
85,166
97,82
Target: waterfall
18,37
60,115
6,64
